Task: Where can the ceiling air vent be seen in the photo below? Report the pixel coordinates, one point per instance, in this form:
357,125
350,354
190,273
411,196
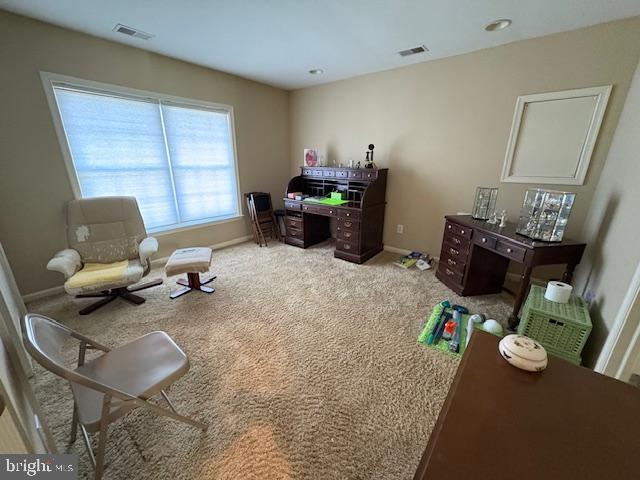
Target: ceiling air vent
132,32
413,51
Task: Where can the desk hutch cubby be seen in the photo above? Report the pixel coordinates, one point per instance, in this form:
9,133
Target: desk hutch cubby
359,222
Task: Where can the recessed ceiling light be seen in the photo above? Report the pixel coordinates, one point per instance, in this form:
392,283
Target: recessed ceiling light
498,25
316,71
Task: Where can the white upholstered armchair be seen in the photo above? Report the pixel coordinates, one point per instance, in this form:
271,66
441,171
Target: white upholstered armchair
108,251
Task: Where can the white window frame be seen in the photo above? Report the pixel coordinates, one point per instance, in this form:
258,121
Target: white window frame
48,81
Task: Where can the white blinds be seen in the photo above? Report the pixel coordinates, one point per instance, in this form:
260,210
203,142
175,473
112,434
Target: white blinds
177,160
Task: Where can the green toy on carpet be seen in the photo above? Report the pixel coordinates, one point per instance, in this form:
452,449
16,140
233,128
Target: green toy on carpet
443,345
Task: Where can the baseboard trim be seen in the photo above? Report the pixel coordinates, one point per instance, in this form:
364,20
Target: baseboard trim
47,292
400,251
158,262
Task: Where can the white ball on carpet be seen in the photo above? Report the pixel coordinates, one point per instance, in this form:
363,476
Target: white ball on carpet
492,326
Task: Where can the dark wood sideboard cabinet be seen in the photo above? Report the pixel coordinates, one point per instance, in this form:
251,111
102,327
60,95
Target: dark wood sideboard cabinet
475,255
359,223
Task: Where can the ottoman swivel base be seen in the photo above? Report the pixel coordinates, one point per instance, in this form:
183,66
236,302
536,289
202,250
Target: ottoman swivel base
194,282
192,261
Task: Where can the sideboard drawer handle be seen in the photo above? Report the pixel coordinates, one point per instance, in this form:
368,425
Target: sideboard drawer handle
449,272
348,214
347,234
451,262
462,232
347,224
330,211
457,241
453,251
484,240
449,227
509,250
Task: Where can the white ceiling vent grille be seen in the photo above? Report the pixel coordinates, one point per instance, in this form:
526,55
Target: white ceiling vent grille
413,51
132,32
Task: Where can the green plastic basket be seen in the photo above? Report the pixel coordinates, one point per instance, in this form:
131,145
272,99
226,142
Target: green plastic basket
562,328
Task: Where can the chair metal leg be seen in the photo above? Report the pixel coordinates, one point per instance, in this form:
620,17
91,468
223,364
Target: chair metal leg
102,436
74,425
87,444
166,397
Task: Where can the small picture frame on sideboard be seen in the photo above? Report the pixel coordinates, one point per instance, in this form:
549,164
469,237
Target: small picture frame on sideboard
310,157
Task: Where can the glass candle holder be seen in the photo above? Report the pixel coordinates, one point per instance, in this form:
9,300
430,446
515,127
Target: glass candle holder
485,203
545,214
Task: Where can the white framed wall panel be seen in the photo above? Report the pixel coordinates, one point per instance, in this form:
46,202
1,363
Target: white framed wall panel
553,136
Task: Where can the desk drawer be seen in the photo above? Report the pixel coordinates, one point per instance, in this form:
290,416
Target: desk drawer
370,174
329,211
342,173
310,209
463,231
294,222
295,233
450,274
453,252
460,230
355,174
510,250
307,172
349,214
328,173
486,241
453,263
457,241
346,246
316,173
293,206
350,236
348,224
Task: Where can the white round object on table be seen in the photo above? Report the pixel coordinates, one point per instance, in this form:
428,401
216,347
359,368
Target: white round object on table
523,352
492,326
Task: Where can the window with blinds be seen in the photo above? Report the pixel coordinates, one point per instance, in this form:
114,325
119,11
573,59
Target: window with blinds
177,159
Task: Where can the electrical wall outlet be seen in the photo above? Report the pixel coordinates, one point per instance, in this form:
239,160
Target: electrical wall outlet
400,228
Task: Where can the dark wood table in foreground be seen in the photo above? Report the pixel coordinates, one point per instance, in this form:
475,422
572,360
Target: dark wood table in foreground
499,422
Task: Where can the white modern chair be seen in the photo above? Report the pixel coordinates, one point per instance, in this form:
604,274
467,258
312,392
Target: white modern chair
108,251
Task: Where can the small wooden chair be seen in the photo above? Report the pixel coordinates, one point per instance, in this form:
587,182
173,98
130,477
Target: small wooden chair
263,219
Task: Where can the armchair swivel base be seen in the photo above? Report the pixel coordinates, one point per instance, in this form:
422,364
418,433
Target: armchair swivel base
107,296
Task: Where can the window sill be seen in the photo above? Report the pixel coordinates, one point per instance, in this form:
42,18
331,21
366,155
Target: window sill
182,228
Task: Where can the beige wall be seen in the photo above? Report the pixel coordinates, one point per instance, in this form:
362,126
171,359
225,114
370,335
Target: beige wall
441,127
612,233
34,185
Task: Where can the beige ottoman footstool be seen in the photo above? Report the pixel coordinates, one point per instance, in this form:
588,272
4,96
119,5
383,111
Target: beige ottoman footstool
193,262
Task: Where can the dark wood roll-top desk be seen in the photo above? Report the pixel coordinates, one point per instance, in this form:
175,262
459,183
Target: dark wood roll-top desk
475,256
359,223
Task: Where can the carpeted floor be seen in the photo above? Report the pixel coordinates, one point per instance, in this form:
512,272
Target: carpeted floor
304,366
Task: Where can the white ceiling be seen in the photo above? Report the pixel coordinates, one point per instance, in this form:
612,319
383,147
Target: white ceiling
278,41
